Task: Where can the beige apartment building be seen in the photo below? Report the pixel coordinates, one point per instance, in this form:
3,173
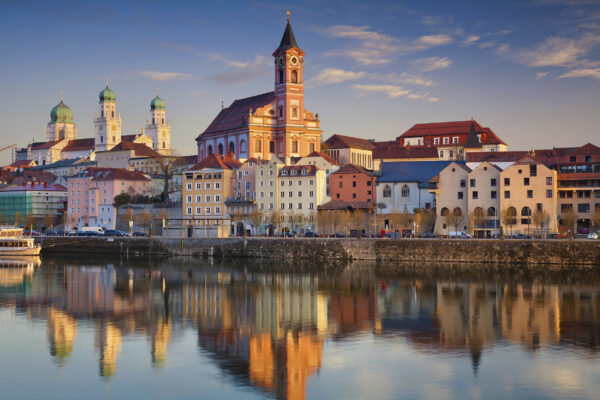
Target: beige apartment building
452,193
527,186
484,200
267,186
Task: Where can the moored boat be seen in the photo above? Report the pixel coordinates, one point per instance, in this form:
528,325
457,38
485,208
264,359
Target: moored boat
13,243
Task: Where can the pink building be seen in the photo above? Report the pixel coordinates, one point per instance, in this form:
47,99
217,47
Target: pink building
245,187
91,194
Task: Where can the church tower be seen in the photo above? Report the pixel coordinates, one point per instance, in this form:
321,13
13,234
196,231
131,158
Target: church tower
159,130
108,124
61,124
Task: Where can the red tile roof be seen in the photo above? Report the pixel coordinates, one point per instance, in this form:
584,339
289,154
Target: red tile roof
45,145
452,128
352,169
405,152
22,164
139,149
322,155
80,144
344,142
35,186
128,138
236,115
217,161
345,205
109,174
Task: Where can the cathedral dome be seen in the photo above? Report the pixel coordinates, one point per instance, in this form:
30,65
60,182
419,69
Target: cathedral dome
157,103
61,113
107,95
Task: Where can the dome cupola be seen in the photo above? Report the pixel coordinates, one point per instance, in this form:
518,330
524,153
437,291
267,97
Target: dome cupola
61,113
107,95
157,103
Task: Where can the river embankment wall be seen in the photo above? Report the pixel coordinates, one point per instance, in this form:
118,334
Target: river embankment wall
327,250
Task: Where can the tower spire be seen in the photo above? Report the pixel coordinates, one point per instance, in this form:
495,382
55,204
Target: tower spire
61,95
288,16
107,81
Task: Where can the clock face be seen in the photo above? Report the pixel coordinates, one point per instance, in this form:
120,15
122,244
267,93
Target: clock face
294,60
281,61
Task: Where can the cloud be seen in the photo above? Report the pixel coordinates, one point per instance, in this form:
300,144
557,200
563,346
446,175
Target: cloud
242,70
471,39
391,91
163,76
433,63
409,79
558,51
433,99
540,75
485,45
582,73
334,75
503,48
434,40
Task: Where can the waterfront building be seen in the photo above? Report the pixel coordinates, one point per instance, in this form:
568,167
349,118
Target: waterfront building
301,190
527,186
322,161
33,198
452,139
91,195
267,186
451,198
404,186
353,183
484,200
350,150
270,124
205,188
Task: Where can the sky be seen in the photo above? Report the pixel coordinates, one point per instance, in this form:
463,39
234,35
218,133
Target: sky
528,69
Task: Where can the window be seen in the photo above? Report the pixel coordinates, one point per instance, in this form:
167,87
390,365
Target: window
387,191
217,198
507,194
493,182
475,195
207,185
463,183
199,210
217,185
290,205
533,170
341,184
583,208
446,140
530,194
270,194
188,199
472,182
299,206
207,198
282,194
436,140
311,194
189,187
441,154
493,194
460,195
198,186
198,199
311,206
280,78
189,211
247,184
258,146
294,146
455,140
207,210
549,180
548,194
405,192
291,194
572,159
526,181
294,112
506,181
217,210
565,207
299,194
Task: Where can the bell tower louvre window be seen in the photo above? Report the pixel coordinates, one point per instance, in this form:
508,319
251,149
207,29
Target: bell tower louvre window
280,76
294,76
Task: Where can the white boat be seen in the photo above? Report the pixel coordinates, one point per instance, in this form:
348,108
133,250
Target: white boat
12,243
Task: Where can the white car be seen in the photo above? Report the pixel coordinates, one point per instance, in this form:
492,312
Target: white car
592,235
459,235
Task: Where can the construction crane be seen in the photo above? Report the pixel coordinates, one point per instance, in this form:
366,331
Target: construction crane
9,147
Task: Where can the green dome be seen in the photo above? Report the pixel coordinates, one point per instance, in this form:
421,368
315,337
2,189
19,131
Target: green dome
107,95
61,113
157,103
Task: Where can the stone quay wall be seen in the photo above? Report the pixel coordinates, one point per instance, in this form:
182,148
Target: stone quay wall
324,250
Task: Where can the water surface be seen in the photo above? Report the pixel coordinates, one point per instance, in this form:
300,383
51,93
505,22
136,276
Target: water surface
183,328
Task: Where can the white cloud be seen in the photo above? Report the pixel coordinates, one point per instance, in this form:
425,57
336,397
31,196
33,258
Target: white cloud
433,99
434,40
163,76
558,51
540,75
243,70
335,75
582,73
433,63
485,45
391,91
409,79
472,38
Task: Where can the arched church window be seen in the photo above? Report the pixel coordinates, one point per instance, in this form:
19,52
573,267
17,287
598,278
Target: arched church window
405,191
294,76
387,191
231,147
152,120
209,149
112,114
258,146
101,139
114,139
102,113
280,76
220,148
243,146
295,112
164,145
163,121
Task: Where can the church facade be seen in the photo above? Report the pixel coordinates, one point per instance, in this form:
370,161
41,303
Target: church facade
269,124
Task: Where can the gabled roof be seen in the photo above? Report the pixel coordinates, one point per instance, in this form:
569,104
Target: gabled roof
35,186
139,149
80,145
345,205
345,142
526,159
320,154
236,115
405,152
217,161
45,145
472,141
109,174
411,171
452,128
485,163
353,169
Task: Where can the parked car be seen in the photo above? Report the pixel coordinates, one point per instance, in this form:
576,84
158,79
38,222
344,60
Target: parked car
140,234
429,235
521,236
97,229
48,232
115,232
337,235
288,234
311,234
592,235
459,235
30,233
90,233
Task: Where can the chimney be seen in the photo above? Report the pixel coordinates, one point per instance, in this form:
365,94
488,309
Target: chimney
45,184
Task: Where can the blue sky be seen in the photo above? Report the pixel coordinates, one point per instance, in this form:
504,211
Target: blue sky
529,69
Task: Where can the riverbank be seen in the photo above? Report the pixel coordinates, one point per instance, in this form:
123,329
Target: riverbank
326,251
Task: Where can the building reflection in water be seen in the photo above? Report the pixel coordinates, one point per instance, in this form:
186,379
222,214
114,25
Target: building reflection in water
268,330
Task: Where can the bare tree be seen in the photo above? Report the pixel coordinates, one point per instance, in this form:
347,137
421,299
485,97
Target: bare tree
49,220
357,220
168,166
19,218
323,221
274,220
454,219
298,220
477,218
569,219
508,217
425,220
596,218
540,218
126,217
144,219
30,221
238,218
256,218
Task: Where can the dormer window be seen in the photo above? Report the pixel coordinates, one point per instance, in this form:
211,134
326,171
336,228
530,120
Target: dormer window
304,172
283,173
293,172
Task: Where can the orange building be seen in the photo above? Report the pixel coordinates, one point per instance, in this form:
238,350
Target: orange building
273,123
352,183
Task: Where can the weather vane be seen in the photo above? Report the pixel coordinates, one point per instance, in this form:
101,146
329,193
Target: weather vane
288,15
